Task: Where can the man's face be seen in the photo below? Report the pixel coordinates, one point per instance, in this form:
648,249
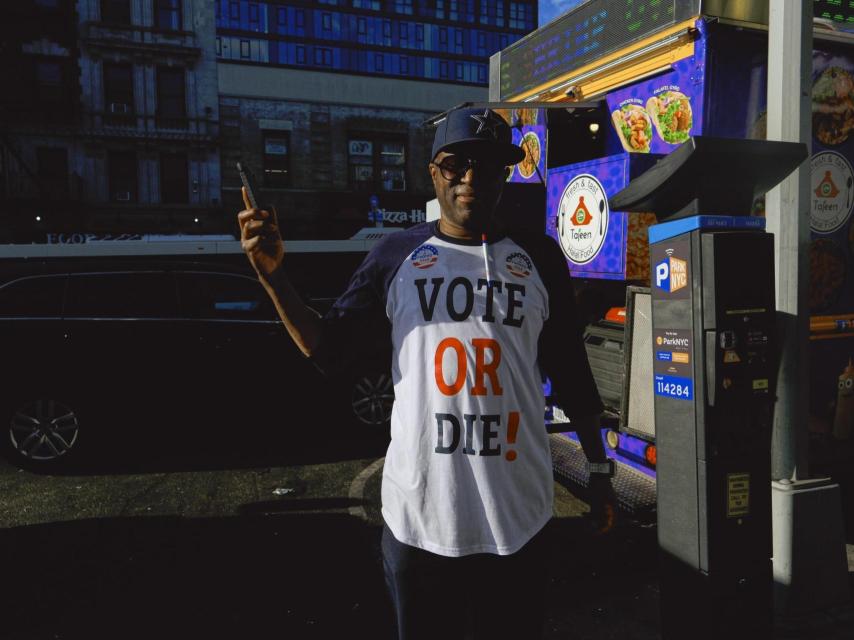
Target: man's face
468,183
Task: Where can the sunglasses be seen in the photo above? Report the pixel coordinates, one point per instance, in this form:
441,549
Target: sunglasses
455,167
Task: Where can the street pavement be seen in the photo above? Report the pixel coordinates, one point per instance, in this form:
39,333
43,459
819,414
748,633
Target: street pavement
232,546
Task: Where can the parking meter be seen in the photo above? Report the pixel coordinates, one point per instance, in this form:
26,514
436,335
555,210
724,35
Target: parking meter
714,364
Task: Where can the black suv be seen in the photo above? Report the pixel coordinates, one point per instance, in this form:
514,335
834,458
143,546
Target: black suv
89,343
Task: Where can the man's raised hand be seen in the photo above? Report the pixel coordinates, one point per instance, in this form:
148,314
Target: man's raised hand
261,239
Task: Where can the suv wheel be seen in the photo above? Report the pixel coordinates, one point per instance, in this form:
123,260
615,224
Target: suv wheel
43,432
372,399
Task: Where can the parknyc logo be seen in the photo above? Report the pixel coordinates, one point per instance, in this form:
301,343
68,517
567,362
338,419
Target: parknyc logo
671,274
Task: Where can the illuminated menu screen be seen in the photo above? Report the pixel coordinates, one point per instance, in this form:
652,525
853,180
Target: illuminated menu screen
581,36
841,11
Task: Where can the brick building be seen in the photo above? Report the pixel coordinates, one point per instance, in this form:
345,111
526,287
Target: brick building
114,129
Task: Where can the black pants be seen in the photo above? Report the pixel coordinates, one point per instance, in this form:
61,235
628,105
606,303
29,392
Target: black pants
483,595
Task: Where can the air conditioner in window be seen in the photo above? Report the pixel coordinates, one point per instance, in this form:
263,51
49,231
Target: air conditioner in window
119,107
123,196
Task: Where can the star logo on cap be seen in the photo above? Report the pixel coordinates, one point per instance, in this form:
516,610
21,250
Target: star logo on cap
489,122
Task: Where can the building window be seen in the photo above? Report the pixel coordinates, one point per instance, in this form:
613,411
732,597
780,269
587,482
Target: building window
327,21
367,4
481,73
171,98
122,176
323,57
443,38
458,40
458,70
300,54
115,11
118,91
282,16
392,166
403,6
419,34
167,14
174,178
53,171
387,31
244,49
377,164
440,9
378,62
404,65
361,161
277,164
517,16
362,26
499,13
218,46
257,17
49,81
300,14
468,9
481,43
453,13
234,10
443,68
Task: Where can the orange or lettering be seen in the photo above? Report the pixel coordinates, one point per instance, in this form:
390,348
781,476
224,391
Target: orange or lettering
482,368
457,346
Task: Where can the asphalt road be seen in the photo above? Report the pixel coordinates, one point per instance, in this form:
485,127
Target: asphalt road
255,540
208,535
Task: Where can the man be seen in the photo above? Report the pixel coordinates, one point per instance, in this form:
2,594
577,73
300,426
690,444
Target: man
474,318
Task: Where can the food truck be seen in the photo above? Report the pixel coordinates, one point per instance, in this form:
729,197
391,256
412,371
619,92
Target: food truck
596,97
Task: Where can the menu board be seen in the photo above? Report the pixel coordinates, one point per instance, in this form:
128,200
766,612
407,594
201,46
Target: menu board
841,11
591,31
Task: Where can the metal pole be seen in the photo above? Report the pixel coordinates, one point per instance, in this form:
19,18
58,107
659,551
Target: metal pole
787,213
809,564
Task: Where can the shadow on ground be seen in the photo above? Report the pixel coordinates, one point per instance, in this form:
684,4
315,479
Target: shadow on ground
288,576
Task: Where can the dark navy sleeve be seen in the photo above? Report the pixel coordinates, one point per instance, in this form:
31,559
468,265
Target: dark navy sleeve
562,355
356,328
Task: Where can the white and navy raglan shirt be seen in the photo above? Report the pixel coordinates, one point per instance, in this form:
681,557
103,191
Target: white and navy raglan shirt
469,467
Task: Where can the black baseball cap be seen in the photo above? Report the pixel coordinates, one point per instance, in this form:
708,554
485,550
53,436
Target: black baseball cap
480,126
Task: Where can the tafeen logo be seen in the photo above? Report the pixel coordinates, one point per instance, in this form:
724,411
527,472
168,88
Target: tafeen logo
582,219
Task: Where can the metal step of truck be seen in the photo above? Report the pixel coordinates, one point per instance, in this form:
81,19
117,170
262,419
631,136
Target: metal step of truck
635,491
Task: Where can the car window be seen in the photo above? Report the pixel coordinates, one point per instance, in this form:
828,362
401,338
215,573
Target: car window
33,297
223,296
121,295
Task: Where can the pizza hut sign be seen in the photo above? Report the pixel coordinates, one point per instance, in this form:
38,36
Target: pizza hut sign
403,217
